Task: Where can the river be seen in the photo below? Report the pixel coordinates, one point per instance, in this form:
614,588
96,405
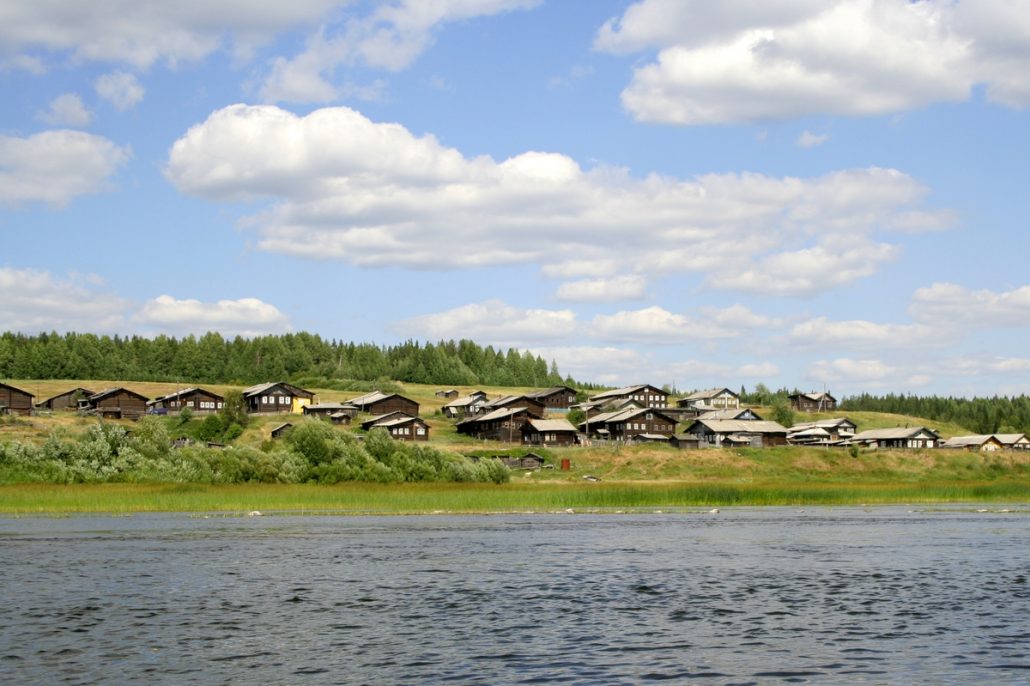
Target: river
885,595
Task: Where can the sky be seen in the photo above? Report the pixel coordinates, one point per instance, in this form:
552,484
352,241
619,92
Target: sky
812,194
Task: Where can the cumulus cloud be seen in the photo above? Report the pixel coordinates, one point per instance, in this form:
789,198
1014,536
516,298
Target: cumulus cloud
340,186
66,110
628,287
807,139
142,33
737,60
658,325
390,37
54,167
37,301
855,372
120,89
821,332
493,321
959,307
243,317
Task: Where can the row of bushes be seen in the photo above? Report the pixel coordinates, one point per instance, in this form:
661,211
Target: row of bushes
312,452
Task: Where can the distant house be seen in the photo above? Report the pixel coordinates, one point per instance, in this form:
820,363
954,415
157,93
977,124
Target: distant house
827,431
280,431
277,397
556,399
1014,441
447,393
719,433
328,410
69,400
549,432
527,461
378,402
387,416
14,400
644,395
716,398
503,424
684,441
813,402
535,407
981,443
907,437
198,400
623,425
403,427
464,406
115,403
744,414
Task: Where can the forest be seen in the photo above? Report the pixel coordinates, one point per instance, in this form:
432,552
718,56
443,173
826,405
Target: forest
244,361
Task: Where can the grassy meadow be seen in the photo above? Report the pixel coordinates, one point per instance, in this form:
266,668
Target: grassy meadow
638,477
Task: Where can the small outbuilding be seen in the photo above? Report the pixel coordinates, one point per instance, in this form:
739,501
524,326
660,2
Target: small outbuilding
15,400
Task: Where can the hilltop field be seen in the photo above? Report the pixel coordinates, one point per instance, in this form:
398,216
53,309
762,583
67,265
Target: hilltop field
600,477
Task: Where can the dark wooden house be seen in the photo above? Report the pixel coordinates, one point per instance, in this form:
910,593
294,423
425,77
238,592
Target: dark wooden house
198,400
14,400
115,403
718,433
328,410
403,427
277,397
378,402
556,399
465,406
713,398
69,400
535,407
813,402
900,437
623,425
504,424
644,395
448,393
549,432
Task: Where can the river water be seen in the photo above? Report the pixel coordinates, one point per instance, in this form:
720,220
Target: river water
743,596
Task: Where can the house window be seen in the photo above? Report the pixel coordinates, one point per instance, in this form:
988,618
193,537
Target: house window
649,416
283,400
264,400
420,431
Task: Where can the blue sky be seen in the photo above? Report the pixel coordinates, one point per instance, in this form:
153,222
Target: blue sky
810,193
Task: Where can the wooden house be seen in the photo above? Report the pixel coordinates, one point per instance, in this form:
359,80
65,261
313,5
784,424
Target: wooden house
403,427
824,431
280,431
549,432
198,400
556,399
14,400
813,402
327,410
378,402
717,433
644,395
465,406
67,401
1014,441
650,438
981,443
115,403
713,398
277,397
527,461
449,393
503,424
744,414
372,421
535,407
623,425
901,437
684,441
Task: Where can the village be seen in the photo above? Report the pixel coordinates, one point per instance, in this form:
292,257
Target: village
713,418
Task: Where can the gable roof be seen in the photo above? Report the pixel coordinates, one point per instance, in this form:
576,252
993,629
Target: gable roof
743,426
262,387
894,434
710,393
823,424
1011,439
96,397
815,396
730,413
13,388
550,391
626,390
551,425
467,400
967,441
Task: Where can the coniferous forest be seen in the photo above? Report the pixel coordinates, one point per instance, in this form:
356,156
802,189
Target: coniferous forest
295,356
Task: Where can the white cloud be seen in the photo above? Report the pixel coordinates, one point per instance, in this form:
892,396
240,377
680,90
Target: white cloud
493,321
856,372
37,301
243,317
658,325
628,287
600,364
141,33
739,61
954,306
391,37
120,89
343,187
807,139
56,166
67,110
758,371
821,332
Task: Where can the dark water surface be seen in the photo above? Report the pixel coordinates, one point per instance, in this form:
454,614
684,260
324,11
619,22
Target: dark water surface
745,596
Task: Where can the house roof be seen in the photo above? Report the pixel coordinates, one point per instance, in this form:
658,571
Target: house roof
823,424
329,406
550,391
85,392
729,413
398,421
815,396
966,441
13,388
499,413
187,391
626,390
894,434
112,391
466,401
743,426
710,393
551,425
1011,439
262,387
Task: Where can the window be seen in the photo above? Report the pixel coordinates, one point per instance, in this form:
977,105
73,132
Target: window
420,431
649,416
283,400
264,400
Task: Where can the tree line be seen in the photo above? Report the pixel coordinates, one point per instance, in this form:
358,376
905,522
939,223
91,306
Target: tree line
211,358
997,414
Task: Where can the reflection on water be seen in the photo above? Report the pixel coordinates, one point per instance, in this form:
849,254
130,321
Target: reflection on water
749,596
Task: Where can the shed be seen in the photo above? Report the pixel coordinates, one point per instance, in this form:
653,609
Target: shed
14,400
69,400
280,431
116,403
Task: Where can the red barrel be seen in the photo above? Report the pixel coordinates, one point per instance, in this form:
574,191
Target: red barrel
566,464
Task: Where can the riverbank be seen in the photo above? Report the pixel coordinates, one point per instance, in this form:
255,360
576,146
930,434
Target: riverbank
352,498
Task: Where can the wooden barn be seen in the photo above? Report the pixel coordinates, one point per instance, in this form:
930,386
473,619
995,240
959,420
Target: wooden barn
449,393
549,432
115,403
378,402
198,400
813,402
277,397
14,400
718,433
504,424
556,399
280,431
403,427
67,401
643,395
